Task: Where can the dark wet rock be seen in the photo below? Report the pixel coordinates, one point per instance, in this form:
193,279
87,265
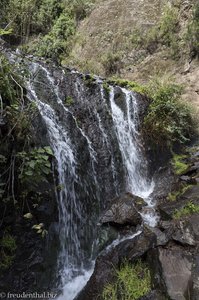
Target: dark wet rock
188,179
183,233
162,238
194,293
171,271
168,209
192,194
124,210
154,295
104,273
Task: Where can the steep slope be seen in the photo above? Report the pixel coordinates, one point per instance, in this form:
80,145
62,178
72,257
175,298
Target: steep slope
123,38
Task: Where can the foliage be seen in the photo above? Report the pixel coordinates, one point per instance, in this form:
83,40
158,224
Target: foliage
5,31
40,229
168,120
174,195
188,209
7,249
179,165
69,101
44,27
112,63
132,283
35,165
56,42
193,31
131,85
165,32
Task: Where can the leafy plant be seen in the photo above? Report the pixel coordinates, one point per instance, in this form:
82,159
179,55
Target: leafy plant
7,249
40,229
112,63
69,101
35,165
193,32
132,283
189,209
179,165
168,119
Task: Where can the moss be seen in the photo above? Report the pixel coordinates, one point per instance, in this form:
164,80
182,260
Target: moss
173,196
69,101
8,248
106,87
131,85
89,80
8,242
179,165
188,209
132,282
6,261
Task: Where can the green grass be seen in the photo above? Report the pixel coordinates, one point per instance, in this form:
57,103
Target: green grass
133,282
179,165
187,210
173,196
69,101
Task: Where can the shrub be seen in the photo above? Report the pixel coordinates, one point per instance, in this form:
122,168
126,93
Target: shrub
56,42
7,249
132,283
193,32
164,33
112,63
179,165
168,119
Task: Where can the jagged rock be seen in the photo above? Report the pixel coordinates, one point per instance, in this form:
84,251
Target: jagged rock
194,295
183,233
168,209
171,272
104,273
154,295
124,210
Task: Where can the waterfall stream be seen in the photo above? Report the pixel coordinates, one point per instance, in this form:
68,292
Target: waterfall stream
80,196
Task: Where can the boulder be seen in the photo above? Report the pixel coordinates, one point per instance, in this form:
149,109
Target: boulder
171,272
124,210
194,295
104,273
167,210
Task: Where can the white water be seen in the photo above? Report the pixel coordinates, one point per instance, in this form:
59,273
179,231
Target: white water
73,287
126,124
74,275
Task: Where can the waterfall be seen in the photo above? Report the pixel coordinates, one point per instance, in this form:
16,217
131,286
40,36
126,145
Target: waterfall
94,159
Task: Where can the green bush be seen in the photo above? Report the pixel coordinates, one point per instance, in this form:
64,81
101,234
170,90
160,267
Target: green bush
168,119
164,33
112,63
7,250
56,42
179,165
133,282
193,32
35,166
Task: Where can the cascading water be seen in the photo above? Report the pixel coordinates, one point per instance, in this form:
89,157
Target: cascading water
114,145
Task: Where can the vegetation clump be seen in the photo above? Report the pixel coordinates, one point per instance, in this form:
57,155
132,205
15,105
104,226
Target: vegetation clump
7,249
44,27
193,32
188,209
179,165
132,282
168,119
